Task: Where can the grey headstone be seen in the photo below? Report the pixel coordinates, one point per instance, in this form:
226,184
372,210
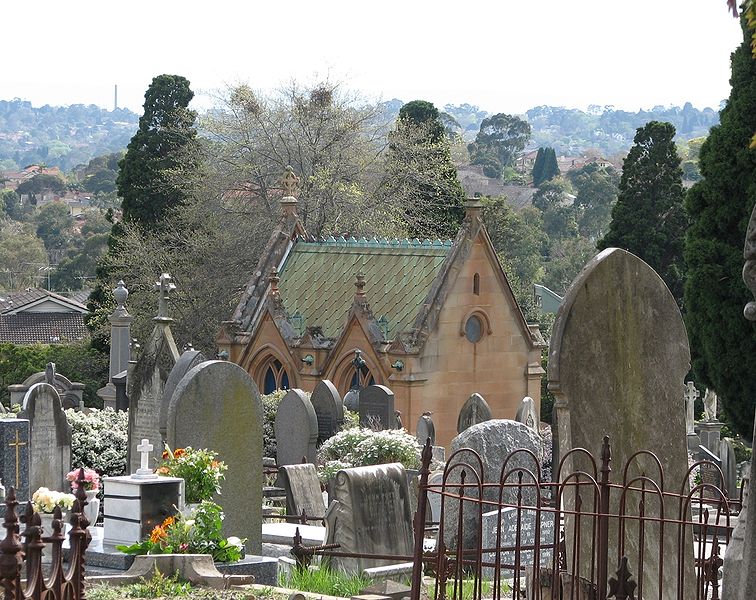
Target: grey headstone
619,355
50,438
188,360
729,468
425,429
509,529
710,433
217,406
303,490
296,428
352,401
14,456
377,407
493,441
371,513
528,415
434,496
475,410
329,409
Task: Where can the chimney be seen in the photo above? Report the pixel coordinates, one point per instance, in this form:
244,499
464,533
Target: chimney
473,207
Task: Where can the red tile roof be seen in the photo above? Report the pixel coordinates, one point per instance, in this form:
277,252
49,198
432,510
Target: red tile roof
43,328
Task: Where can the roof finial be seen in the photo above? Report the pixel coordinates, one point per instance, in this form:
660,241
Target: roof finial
360,284
165,287
290,186
274,279
473,207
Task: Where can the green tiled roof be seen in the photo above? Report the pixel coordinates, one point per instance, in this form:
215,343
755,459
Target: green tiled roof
317,281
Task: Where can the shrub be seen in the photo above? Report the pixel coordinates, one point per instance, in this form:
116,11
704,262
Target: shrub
201,472
270,404
99,440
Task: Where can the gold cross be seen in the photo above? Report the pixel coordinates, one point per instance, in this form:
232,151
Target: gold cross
17,445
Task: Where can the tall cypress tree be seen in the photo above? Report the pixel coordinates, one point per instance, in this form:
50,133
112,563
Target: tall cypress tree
649,218
722,342
538,168
550,166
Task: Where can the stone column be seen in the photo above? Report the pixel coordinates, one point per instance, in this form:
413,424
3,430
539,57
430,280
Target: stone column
120,339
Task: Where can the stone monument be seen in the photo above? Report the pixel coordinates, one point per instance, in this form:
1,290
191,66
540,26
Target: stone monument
188,360
710,429
528,415
329,409
425,429
120,344
14,456
619,355
691,394
296,428
71,393
377,407
475,410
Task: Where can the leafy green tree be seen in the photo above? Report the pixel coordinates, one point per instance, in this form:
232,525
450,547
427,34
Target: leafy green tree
649,218
722,342
78,267
161,157
54,224
596,188
41,184
538,168
501,137
420,174
545,167
22,255
555,202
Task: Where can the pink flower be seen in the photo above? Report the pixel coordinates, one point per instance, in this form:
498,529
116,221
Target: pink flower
91,479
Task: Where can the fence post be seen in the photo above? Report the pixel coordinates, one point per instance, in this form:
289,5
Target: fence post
602,554
422,500
11,557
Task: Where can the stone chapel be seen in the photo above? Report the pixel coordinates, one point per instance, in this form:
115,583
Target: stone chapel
435,321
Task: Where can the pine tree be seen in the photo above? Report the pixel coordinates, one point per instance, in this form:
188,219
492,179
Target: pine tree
648,218
153,173
538,168
722,342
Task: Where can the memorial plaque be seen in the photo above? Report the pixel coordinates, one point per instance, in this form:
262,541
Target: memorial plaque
509,522
14,459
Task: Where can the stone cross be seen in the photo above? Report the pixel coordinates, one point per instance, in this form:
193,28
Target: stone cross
165,287
17,444
691,393
50,373
289,182
144,449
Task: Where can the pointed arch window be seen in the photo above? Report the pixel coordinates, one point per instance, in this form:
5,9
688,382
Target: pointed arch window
275,376
476,284
363,378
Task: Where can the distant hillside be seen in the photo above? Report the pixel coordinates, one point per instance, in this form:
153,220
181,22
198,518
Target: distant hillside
60,136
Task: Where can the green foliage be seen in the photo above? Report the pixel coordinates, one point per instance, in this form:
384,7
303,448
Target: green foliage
420,113
160,586
79,362
40,185
545,167
324,581
649,219
201,472
270,404
722,342
161,155
54,223
596,188
99,439
501,137
22,255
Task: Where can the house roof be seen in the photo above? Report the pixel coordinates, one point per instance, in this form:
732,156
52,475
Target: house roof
42,328
318,280
31,299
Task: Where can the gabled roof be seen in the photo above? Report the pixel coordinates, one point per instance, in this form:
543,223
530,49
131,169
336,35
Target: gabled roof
39,300
398,275
42,328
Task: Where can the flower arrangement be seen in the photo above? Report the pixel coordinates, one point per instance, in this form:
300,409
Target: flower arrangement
201,471
198,533
45,501
91,479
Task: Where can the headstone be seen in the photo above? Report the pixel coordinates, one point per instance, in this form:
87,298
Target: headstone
377,407
71,393
425,429
302,490
710,405
493,440
296,428
709,472
435,479
507,530
352,401
14,457
50,438
120,383
729,468
528,415
371,514
187,360
475,410
329,410
710,434
619,355
217,406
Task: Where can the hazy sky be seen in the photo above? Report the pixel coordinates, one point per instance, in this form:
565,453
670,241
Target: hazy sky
503,55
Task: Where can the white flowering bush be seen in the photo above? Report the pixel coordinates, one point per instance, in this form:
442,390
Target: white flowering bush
45,500
358,447
99,440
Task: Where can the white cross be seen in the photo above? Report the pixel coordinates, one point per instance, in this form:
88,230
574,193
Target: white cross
691,393
145,448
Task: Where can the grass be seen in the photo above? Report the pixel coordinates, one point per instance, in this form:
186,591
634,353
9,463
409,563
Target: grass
325,581
468,589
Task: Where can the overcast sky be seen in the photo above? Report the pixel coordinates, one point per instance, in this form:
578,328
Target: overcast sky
503,55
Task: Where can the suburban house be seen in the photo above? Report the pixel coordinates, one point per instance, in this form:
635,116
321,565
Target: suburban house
37,316
435,321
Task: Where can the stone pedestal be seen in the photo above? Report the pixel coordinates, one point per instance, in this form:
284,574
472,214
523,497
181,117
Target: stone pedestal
694,441
133,507
108,395
710,433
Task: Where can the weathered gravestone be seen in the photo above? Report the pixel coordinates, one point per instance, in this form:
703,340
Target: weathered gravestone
425,429
296,428
188,360
527,414
329,410
729,468
302,490
14,457
217,406
493,441
71,393
377,407
371,513
619,355
50,438
475,410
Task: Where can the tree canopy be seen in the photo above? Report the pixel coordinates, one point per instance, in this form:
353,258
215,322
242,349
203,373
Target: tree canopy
649,218
500,138
722,342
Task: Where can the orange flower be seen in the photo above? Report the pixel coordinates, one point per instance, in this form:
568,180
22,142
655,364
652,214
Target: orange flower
163,471
168,522
178,452
158,534
215,464
165,454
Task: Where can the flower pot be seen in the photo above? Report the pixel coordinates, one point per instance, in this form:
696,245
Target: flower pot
92,509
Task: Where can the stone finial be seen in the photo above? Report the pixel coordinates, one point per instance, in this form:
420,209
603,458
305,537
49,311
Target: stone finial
273,279
165,287
359,283
121,294
50,373
290,183
473,207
